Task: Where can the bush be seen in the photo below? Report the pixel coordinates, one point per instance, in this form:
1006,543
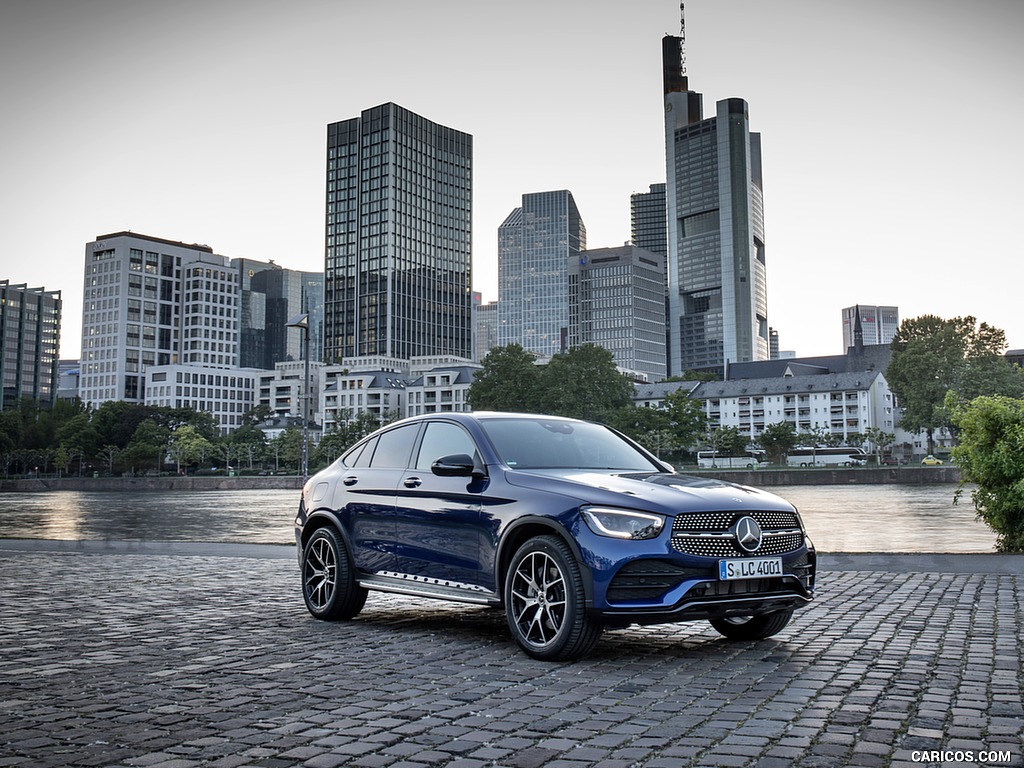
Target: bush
991,455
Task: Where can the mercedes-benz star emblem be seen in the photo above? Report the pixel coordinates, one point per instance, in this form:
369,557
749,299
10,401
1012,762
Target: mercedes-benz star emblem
748,534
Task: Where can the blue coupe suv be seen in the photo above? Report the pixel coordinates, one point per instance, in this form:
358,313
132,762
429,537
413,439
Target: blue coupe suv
568,525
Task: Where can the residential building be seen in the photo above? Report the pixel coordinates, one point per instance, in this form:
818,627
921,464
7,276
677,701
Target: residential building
617,301
648,223
29,343
717,286
281,388
397,279
440,390
345,394
868,324
536,244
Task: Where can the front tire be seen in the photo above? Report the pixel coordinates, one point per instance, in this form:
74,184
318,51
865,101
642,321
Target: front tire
545,603
328,582
752,627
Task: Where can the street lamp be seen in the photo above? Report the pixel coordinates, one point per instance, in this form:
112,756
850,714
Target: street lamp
302,321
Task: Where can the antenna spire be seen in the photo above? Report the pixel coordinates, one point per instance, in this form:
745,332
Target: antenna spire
682,39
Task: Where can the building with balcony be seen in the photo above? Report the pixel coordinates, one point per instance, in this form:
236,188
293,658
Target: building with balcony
440,390
346,394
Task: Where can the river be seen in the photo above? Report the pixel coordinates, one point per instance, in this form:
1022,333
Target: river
843,518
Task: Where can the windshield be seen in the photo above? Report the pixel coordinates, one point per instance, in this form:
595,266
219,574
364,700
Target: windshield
554,444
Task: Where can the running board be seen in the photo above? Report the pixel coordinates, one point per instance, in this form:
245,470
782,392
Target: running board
418,586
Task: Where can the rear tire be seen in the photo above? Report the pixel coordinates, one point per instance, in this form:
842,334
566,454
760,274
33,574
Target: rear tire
752,627
545,603
328,582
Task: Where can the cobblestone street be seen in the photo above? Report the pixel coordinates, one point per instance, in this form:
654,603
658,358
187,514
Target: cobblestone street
151,659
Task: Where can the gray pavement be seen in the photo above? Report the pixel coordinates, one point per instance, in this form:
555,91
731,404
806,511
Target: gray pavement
160,654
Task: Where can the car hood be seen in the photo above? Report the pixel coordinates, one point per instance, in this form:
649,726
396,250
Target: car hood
668,493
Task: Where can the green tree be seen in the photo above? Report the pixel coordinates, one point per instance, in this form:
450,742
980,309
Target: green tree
990,455
686,417
879,440
777,439
931,356
508,381
147,447
725,441
584,383
651,427
188,445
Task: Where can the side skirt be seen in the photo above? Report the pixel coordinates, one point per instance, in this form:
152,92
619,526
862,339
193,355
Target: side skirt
419,586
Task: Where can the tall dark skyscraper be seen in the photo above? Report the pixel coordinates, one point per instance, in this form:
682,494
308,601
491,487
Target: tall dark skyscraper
397,280
717,288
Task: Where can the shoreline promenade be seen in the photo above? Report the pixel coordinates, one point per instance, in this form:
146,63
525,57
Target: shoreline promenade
161,654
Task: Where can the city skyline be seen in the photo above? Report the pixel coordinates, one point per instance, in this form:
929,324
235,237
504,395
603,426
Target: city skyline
207,124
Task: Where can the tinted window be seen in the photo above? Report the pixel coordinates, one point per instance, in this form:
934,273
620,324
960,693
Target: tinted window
443,439
394,447
550,444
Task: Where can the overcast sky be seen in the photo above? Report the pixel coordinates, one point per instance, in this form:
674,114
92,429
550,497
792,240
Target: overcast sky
890,131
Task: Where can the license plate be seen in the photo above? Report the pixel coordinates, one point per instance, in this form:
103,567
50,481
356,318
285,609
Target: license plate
752,568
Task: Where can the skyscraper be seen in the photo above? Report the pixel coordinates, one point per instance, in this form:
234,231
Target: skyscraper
647,220
878,325
535,245
617,301
718,306
29,338
397,278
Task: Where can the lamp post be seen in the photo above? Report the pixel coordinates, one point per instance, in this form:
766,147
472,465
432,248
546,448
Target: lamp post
302,321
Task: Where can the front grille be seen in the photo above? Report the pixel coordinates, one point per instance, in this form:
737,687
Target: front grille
707,534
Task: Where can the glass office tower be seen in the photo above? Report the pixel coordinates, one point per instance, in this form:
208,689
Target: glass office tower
397,279
647,220
29,342
535,245
717,287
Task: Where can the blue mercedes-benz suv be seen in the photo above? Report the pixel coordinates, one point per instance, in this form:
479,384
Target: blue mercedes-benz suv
568,525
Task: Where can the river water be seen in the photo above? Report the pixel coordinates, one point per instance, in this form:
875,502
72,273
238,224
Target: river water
847,518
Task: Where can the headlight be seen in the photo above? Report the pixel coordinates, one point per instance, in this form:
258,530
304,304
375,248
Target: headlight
622,524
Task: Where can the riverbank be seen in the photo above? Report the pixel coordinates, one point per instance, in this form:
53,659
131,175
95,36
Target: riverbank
907,475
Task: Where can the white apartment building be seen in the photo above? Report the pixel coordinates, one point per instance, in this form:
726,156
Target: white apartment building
440,390
840,403
225,393
281,389
344,394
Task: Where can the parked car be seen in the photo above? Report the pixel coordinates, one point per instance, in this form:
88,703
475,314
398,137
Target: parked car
567,525
891,461
931,461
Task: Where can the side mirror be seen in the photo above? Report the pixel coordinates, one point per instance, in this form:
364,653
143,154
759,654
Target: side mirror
456,465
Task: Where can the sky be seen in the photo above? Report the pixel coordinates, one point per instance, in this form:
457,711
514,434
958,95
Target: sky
890,131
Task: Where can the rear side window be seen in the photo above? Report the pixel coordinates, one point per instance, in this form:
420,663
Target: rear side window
393,448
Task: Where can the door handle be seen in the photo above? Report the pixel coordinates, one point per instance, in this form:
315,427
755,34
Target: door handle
350,480
413,482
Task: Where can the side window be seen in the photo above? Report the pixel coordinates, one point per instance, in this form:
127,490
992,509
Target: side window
393,448
360,456
442,439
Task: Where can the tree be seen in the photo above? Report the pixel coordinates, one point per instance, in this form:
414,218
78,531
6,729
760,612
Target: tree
508,381
777,439
879,439
726,441
584,383
188,445
991,455
686,418
931,356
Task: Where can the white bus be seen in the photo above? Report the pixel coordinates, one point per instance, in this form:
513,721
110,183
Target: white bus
718,460
804,456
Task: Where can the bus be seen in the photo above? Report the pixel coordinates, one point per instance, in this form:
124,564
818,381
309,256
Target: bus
806,456
718,460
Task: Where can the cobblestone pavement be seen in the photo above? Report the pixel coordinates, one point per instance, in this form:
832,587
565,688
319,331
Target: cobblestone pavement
160,660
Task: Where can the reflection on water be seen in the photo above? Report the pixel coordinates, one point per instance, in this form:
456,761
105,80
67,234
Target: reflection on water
889,518
253,517
847,518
